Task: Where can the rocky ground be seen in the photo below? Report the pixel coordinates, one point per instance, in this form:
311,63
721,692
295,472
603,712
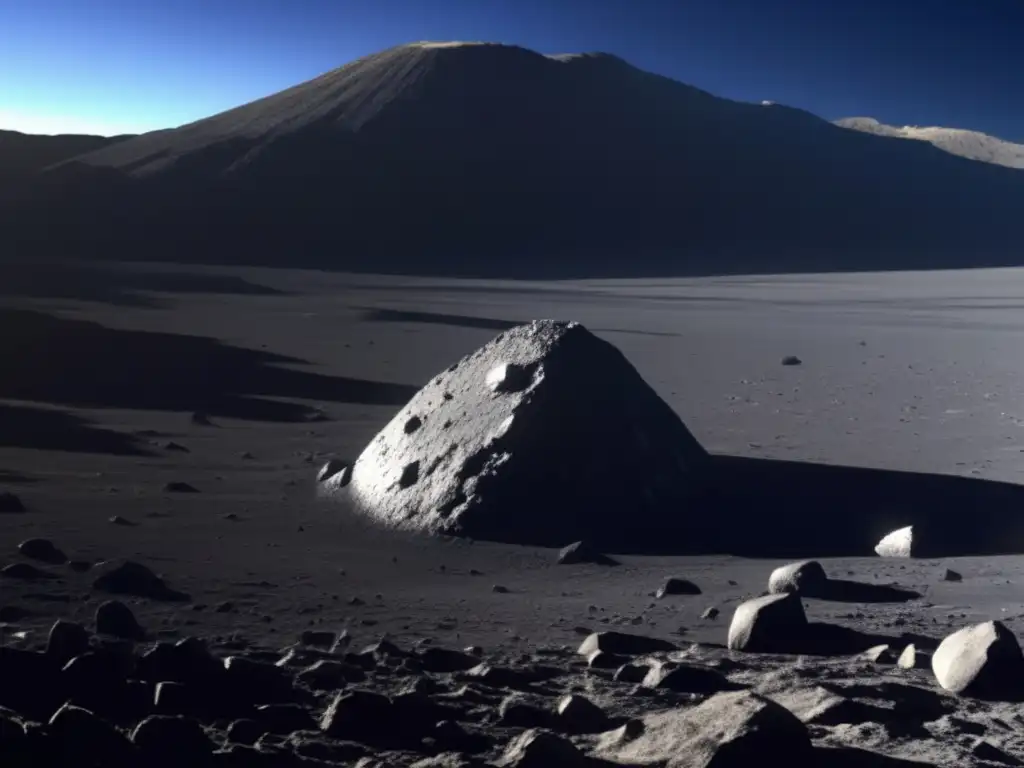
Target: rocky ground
172,423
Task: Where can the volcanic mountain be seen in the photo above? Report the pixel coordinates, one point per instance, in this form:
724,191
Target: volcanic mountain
480,158
973,145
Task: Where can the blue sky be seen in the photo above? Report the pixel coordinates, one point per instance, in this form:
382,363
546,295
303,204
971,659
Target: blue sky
109,66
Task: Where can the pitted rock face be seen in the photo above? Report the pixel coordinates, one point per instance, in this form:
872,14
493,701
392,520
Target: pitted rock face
544,435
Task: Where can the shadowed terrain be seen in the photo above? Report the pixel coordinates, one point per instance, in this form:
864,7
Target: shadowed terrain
80,363
52,430
114,284
22,154
493,160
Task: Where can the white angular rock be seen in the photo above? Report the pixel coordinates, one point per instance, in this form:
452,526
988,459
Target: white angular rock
544,435
729,730
899,543
981,661
806,577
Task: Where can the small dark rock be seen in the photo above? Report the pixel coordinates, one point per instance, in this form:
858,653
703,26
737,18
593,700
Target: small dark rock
43,550
676,586
358,715
578,714
328,675
177,486
126,577
26,572
443,660
498,589
791,360
685,678
116,619
710,613
172,741
583,552
91,740
516,711
318,638
67,639
79,566
950,575
201,419
118,520
10,504
170,445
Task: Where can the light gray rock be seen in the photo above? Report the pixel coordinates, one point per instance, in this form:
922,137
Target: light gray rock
806,578
546,434
899,543
538,748
981,661
771,624
729,730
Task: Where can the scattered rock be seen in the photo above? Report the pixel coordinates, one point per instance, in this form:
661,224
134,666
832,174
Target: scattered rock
544,394
358,715
952,576
624,644
25,571
127,577
982,661
911,658
172,741
118,520
338,472
170,445
986,750
685,678
583,552
879,654
67,639
328,675
441,660
771,624
538,748
201,419
728,730
318,638
631,673
578,714
710,614
43,550
792,360
499,589
806,578
676,586
516,711
10,504
177,486
116,619
93,742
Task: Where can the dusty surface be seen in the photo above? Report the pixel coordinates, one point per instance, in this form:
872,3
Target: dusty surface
900,372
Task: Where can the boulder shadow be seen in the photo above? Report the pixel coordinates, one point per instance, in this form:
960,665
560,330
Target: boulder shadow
785,509
77,363
435,318
122,285
825,639
52,430
846,591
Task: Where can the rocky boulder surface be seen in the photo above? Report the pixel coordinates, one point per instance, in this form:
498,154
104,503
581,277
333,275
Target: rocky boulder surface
543,435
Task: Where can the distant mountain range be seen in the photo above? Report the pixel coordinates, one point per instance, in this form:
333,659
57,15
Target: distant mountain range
485,159
970,144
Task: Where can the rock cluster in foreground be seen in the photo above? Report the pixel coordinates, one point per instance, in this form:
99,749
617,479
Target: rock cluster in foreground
544,435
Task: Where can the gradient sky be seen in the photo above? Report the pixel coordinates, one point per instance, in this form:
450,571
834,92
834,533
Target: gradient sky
110,66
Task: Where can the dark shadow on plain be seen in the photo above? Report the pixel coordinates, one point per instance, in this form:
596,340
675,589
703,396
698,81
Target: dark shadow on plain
123,285
83,364
846,591
792,509
51,430
434,318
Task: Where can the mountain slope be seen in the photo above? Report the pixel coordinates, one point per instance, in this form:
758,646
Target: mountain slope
970,144
491,159
22,153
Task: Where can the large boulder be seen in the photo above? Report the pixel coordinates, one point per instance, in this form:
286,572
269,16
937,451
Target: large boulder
982,661
729,730
806,578
771,624
544,435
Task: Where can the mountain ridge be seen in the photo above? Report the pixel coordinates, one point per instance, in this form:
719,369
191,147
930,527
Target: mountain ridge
494,160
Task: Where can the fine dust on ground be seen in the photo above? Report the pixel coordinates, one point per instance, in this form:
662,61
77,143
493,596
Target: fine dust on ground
899,372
